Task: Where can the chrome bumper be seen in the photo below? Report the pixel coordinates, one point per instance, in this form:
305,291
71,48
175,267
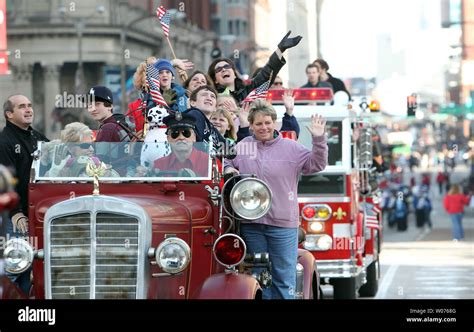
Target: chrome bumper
342,268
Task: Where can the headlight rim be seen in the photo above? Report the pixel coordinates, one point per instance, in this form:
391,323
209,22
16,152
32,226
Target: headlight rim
229,266
16,244
242,182
168,241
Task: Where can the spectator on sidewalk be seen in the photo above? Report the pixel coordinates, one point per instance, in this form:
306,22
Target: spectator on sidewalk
454,203
423,207
440,180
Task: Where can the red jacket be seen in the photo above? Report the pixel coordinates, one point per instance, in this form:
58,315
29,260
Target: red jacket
135,112
455,203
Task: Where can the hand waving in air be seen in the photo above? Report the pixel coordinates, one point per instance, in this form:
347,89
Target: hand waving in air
289,101
318,125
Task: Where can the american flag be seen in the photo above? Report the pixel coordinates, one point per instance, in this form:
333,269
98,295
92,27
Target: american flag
153,83
165,19
258,93
371,219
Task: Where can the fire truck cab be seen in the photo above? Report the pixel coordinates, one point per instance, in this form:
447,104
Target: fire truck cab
338,206
109,231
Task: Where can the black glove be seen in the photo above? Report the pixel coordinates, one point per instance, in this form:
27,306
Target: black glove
170,96
287,43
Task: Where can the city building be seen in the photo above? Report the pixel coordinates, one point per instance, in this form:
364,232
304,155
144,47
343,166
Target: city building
51,40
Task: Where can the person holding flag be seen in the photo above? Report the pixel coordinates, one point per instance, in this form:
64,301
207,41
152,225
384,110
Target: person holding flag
223,72
138,108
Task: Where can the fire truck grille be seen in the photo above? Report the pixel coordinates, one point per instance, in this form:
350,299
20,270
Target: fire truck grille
94,260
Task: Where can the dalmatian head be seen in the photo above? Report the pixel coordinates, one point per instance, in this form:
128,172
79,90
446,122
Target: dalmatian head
156,115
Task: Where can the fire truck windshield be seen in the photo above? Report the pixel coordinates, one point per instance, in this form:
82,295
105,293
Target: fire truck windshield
322,184
333,131
125,161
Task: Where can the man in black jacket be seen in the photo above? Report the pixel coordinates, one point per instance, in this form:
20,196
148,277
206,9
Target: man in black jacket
203,102
18,141
337,84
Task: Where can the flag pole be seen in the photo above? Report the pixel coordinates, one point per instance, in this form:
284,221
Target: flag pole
182,73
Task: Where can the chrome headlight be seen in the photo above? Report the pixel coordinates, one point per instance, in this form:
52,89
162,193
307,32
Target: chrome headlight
251,198
318,242
18,255
173,255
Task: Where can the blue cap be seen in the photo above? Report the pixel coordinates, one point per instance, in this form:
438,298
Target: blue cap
164,64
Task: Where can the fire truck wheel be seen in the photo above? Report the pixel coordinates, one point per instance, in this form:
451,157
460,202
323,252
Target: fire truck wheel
344,288
370,288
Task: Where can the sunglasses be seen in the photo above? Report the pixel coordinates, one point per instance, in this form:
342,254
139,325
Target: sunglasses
85,145
174,133
277,83
219,69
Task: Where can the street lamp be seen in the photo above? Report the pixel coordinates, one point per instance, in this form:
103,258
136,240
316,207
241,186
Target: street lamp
123,65
79,24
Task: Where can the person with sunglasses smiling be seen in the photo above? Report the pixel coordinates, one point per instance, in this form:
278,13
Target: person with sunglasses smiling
75,152
184,159
223,73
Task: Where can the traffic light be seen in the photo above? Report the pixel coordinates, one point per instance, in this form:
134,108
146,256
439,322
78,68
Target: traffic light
411,105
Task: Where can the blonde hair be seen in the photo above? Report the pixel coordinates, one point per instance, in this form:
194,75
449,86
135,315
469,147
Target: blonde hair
75,132
139,78
455,189
261,106
230,132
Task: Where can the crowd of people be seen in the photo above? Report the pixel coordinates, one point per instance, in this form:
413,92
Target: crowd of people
206,107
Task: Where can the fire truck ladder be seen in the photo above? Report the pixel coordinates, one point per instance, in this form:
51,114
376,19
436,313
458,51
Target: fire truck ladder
363,164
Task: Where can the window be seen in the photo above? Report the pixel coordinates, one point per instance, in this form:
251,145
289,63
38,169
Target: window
237,27
230,27
334,135
322,184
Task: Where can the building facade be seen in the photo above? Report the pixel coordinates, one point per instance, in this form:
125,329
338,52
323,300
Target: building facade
48,40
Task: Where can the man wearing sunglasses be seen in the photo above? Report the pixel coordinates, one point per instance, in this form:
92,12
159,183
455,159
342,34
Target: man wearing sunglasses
184,158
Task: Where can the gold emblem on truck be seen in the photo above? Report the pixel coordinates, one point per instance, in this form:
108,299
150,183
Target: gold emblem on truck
96,171
339,214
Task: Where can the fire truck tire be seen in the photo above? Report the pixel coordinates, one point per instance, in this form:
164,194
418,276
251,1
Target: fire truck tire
370,288
344,288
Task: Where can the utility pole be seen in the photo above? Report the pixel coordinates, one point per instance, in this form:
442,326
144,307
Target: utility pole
319,5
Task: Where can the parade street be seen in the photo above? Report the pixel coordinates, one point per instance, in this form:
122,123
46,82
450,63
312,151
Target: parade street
424,263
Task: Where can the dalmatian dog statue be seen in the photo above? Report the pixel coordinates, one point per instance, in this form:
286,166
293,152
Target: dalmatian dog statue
155,144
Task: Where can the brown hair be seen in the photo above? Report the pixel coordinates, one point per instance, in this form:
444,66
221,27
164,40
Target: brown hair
239,84
139,78
261,106
194,94
311,65
208,79
230,133
455,189
323,64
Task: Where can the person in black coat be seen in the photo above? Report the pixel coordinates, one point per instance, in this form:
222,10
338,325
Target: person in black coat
337,84
18,141
223,73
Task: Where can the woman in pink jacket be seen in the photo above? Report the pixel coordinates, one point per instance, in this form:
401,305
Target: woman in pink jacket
278,162
454,203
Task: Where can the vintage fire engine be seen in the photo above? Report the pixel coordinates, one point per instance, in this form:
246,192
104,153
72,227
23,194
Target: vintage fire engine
339,206
163,234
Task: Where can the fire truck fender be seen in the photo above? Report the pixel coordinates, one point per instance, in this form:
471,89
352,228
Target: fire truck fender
229,286
306,259
10,291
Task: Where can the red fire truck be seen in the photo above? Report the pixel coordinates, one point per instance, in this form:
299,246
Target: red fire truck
339,206
98,233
